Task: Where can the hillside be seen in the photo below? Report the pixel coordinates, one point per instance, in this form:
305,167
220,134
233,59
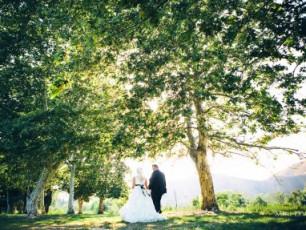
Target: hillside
297,169
287,180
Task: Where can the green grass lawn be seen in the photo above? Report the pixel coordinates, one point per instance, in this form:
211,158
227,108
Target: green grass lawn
191,220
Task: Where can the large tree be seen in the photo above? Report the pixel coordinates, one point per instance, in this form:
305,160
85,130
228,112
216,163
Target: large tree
52,52
224,74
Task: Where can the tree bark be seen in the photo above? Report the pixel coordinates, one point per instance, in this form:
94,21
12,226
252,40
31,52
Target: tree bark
71,190
198,154
27,197
42,202
32,200
8,206
100,208
207,188
80,202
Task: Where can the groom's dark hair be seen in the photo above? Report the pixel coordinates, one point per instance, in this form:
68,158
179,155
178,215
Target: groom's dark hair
155,165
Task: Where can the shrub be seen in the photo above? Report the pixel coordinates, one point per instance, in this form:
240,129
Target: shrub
236,200
230,200
259,201
196,202
296,198
223,199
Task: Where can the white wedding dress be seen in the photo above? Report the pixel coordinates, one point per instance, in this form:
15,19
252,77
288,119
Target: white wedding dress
140,207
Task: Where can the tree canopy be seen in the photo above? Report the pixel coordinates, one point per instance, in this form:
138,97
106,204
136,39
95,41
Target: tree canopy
84,76
224,74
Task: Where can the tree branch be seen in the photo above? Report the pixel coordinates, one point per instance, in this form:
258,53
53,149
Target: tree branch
301,155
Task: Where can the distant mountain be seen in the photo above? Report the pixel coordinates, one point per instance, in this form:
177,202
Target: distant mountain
181,192
297,169
285,184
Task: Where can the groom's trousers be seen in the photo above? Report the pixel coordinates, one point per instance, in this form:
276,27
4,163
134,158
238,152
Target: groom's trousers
156,197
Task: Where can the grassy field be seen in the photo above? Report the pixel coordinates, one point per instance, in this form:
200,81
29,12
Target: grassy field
189,220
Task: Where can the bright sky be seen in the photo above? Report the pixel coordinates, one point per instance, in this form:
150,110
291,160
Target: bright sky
183,168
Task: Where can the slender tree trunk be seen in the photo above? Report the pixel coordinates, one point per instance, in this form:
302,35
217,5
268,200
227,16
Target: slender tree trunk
71,190
100,208
198,153
175,200
42,202
32,199
8,206
80,202
27,197
42,197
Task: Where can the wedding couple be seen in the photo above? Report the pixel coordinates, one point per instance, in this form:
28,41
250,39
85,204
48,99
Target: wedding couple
141,205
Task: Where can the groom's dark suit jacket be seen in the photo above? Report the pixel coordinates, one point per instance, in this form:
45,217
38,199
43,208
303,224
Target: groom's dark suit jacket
158,182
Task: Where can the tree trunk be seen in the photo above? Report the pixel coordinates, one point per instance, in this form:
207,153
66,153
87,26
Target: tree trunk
32,200
207,188
175,200
100,208
198,153
27,197
71,190
80,202
8,207
42,202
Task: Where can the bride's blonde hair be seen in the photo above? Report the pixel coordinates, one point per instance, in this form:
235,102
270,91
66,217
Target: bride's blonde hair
139,173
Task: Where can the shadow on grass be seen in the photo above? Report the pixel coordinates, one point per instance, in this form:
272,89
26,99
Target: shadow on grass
228,221
225,221
50,221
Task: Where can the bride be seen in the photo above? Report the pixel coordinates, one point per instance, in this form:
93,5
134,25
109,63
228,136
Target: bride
140,207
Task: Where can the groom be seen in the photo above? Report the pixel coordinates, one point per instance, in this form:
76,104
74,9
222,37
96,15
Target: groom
157,186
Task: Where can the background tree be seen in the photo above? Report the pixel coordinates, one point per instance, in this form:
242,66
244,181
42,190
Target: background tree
110,180
84,186
100,175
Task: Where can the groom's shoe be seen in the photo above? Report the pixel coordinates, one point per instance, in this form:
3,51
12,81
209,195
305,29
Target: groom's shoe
160,212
